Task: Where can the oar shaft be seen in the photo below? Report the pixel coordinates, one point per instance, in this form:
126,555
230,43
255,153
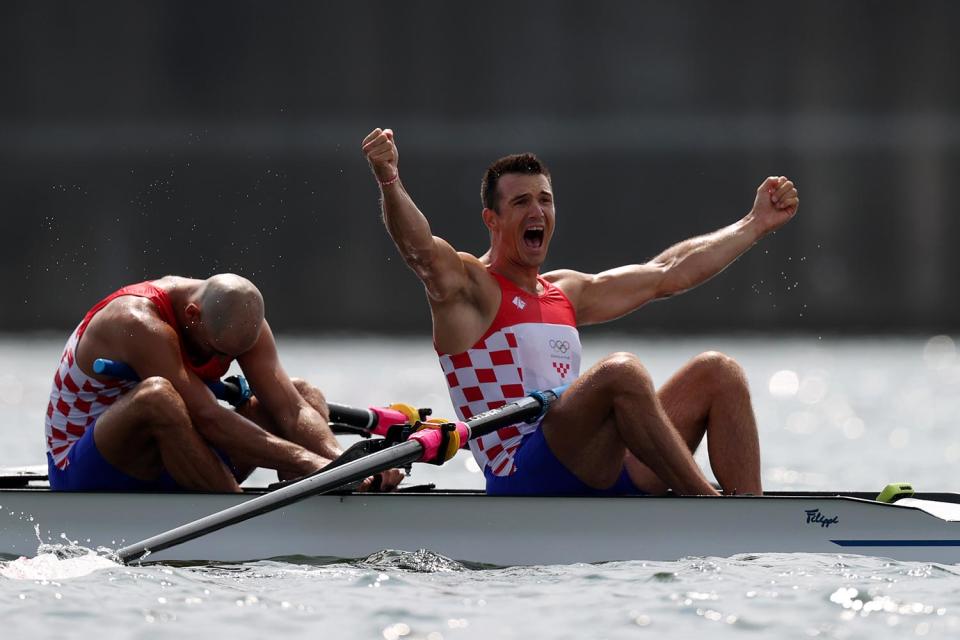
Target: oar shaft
397,456
488,422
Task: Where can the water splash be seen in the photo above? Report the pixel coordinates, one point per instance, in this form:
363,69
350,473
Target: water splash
56,562
420,561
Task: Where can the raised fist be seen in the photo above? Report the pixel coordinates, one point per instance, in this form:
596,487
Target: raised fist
381,152
777,201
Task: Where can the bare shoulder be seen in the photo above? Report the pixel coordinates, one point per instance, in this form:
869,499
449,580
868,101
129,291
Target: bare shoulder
483,289
474,266
564,275
458,322
170,281
129,323
569,281
477,295
132,312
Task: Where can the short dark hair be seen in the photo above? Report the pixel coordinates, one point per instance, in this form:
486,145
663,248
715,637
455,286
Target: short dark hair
523,163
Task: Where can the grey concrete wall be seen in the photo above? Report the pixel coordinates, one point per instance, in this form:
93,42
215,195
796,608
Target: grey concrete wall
139,139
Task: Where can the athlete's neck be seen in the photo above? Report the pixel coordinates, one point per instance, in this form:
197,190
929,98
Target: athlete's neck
524,277
181,292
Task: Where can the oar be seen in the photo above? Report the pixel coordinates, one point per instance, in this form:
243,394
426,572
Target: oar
375,420
428,445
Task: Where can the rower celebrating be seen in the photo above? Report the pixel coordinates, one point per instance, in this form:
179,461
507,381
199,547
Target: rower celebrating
168,431
501,327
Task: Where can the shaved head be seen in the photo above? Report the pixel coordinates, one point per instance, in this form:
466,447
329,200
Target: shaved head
232,310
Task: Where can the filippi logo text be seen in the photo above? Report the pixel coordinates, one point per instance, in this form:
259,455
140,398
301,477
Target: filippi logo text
815,517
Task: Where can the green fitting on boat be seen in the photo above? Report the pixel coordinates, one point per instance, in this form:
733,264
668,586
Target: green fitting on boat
894,491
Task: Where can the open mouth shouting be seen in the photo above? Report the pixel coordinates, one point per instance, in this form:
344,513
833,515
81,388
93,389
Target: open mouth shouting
533,237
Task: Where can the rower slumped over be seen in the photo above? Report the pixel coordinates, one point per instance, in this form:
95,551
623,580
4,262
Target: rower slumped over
167,431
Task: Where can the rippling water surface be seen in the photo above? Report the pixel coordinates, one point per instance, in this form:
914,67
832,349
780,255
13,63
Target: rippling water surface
834,414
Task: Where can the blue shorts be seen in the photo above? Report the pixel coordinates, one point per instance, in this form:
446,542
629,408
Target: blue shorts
538,472
88,470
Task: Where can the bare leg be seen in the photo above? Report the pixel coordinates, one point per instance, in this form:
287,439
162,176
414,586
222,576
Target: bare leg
710,396
149,430
611,409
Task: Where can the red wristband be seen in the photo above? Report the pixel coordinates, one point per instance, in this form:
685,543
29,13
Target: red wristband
390,181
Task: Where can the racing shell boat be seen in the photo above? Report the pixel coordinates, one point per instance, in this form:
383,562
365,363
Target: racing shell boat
318,516
491,530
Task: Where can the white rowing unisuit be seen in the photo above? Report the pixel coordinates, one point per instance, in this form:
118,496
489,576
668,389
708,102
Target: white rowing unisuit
532,344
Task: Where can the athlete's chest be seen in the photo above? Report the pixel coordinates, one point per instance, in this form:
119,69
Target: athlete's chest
547,353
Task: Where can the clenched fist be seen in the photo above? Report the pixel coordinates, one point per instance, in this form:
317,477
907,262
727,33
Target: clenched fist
777,201
381,152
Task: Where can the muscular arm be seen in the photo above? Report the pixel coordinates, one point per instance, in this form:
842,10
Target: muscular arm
611,294
460,294
297,419
434,261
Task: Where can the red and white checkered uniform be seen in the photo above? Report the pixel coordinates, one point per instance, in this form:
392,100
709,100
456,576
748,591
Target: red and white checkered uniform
77,400
532,344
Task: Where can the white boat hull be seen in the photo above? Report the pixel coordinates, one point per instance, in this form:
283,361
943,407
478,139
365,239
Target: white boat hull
502,531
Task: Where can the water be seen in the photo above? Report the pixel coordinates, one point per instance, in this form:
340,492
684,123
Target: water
834,413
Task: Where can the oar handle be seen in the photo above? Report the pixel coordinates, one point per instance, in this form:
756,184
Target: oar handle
235,390
441,443
376,420
115,369
528,409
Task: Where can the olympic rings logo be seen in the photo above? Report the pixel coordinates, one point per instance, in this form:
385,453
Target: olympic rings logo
560,346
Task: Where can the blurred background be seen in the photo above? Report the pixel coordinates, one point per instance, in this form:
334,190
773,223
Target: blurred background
141,139
149,138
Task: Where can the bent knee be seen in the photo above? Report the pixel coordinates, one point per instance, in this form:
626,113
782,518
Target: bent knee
624,362
623,369
717,361
720,368
306,389
155,389
158,396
